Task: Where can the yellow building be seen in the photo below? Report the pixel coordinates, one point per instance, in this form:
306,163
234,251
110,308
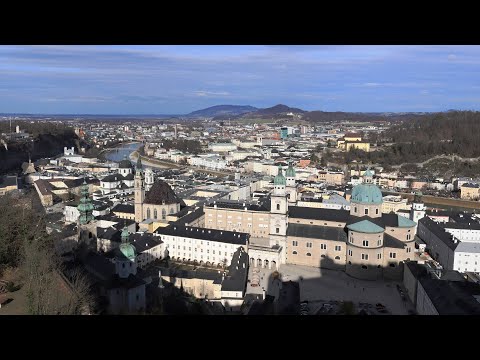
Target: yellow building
469,191
351,141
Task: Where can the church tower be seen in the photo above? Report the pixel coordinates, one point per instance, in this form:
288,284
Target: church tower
149,179
125,263
85,207
418,208
139,191
278,211
291,188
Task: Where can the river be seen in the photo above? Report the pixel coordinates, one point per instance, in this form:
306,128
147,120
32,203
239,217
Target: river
119,153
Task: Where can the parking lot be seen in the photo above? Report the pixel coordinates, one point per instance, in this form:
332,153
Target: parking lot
320,286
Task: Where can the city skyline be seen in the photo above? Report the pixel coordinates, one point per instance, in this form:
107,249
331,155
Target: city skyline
180,79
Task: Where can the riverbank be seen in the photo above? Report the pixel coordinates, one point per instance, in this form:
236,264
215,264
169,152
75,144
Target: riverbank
158,164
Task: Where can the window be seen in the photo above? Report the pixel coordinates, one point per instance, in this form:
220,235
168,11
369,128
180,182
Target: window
379,256
323,256
366,211
277,230
337,257
164,214
278,206
309,245
379,242
392,264
365,242
148,213
323,246
408,236
123,265
350,253
208,251
376,211
338,248
294,253
155,213
364,267
308,254
295,243
171,211
364,256
393,255
355,209
408,250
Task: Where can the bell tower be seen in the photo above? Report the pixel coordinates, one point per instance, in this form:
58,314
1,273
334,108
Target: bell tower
139,191
278,210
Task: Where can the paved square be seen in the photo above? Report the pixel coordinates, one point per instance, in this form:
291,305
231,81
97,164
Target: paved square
323,284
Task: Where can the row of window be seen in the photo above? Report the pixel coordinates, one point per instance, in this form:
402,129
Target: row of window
322,246
379,256
310,254
366,211
155,214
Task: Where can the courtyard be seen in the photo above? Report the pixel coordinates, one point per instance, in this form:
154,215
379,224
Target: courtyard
324,284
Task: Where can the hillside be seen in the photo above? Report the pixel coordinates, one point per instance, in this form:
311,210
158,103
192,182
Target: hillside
420,138
222,110
278,109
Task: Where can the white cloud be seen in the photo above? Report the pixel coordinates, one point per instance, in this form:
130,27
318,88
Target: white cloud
211,93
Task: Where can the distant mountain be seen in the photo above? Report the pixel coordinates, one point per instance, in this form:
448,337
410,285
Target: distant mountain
223,110
279,109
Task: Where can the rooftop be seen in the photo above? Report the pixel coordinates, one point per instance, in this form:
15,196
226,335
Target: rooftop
204,234
317,232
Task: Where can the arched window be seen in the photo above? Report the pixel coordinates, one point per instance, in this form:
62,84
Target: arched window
364,266
294,253
308,254
322,256
164,214
171,210
278,206
337,257
155,214
148,213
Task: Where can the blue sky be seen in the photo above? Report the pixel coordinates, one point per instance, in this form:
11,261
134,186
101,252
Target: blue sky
180,79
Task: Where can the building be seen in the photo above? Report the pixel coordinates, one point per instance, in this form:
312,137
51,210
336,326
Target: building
470,191
353,141
393,203
439,292
448,250
7,184
222,147
200,245
157,203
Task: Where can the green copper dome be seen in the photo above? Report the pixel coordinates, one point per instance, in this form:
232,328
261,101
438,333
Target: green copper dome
126,248
290,171
368,173
279,179
366,194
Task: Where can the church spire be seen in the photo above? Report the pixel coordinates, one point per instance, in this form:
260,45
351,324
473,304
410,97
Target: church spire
139,163
85,207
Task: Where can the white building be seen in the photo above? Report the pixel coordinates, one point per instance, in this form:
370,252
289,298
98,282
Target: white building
222,147
205,246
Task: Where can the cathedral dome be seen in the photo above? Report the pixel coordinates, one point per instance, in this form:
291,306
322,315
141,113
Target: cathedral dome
366,194
279,179
125,163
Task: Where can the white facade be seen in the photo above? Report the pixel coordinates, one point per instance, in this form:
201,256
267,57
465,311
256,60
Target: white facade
467,257
222,147
214,252
467,235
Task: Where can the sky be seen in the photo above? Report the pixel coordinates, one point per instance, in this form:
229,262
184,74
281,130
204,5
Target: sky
122,80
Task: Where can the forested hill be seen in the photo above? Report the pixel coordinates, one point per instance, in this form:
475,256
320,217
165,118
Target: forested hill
49,139
421,138
446,133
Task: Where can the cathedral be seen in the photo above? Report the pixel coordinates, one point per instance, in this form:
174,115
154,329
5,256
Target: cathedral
363,242
153,199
